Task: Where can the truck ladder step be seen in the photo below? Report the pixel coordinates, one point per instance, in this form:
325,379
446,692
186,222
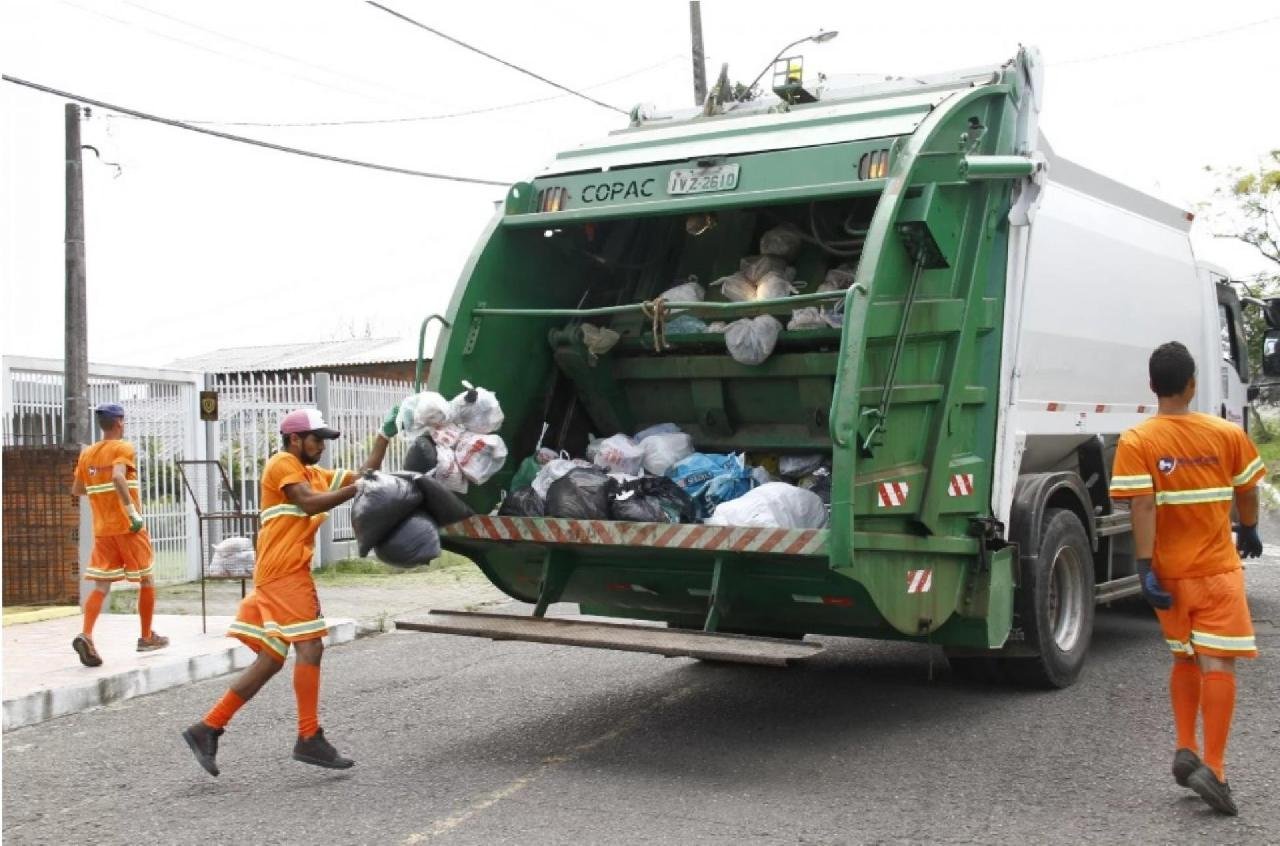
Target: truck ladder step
627,637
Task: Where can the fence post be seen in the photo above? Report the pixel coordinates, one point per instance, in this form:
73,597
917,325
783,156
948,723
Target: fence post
213,487
326,549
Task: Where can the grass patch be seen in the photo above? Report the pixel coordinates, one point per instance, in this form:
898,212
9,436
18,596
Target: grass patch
373,568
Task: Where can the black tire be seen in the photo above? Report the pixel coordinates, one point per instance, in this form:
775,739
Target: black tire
1055,605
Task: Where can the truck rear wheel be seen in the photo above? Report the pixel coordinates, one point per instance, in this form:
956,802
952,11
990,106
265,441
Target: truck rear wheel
1055,604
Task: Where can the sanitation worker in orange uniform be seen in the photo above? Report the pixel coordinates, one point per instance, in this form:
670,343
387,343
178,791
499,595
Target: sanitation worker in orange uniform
283,608
107,473
1182,470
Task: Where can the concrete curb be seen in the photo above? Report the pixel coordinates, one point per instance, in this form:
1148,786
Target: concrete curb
41,705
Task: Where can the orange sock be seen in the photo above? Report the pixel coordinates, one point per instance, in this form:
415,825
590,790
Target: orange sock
1218,700
1184,691
146,605
306,687
92,607
222,712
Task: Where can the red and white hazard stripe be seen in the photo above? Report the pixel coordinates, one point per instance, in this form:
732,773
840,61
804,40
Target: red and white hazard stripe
891,494
919,581
961,485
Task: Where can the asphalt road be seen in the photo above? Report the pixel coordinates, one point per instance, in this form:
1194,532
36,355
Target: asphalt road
463,741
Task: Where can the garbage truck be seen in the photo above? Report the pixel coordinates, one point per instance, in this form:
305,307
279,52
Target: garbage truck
990,349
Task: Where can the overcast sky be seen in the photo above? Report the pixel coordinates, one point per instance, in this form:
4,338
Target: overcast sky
200,243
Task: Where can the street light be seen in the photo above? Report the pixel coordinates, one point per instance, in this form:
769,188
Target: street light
820,38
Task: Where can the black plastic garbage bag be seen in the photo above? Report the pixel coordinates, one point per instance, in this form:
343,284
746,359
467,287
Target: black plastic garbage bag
441,504
654,499
421,457
523,502
381,503
583,493
413,543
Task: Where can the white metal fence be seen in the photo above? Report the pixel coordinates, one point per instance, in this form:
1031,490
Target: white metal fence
162,421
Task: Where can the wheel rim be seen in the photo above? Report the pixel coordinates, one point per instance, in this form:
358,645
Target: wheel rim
1066,592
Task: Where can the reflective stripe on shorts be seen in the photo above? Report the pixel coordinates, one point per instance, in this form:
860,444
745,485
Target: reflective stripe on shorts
1226,644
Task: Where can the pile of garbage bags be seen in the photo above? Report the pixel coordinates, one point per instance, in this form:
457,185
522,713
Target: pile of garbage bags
232,558
657,476
454,441
396,515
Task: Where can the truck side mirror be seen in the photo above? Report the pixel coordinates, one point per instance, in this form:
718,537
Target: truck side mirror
1271,353
1271,314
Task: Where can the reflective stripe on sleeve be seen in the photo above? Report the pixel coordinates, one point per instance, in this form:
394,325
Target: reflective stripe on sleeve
1130,483
1246,475
282,510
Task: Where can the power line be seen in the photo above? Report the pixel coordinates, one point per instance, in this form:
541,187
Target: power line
464,44
243,140
1164,44
417,118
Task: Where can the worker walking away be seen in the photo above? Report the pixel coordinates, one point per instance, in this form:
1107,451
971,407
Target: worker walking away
107,473
283,607
1182,470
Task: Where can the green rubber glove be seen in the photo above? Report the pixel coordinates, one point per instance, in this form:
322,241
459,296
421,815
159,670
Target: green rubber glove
135,520
389,427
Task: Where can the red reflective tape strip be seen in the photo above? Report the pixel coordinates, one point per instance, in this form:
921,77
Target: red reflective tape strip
556,531
718,538
842,601
800,543
665,537
773,538
692,539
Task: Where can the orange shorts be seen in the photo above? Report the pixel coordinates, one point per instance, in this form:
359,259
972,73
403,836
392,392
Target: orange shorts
1209,617
117,557
281,612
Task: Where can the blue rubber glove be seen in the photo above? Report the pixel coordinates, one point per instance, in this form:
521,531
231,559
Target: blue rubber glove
1248,544
389,422
1152,590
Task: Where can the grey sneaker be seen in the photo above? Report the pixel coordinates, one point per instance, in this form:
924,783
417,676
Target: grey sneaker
1185,763
151,644
1217,794
203,741
318,751
84,648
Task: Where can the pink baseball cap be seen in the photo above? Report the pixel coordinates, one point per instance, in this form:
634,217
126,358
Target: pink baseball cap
305,420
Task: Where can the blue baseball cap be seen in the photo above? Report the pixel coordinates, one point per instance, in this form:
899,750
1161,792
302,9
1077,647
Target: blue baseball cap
110,409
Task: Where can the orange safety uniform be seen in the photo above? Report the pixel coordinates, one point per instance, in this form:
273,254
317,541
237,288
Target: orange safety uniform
1193,464
283,607
117,552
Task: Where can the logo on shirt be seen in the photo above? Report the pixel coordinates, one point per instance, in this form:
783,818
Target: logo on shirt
1166,465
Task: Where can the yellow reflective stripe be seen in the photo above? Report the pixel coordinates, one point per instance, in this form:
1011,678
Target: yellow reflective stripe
285,510
1130,481
110,486
1194,497
254,633
336,482
296,629
1229,644
94,573
1180,646
1249,472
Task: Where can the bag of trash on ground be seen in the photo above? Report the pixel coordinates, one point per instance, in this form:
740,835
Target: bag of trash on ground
775,286
754,268
776,505
232,557
653,499
381,503
710,478
736,288
523,502
421,457
751,340
419,412
448,472
476,410
663,451
480,456
784,240
441,504
413,543
581,494
792,467
619,454
685,292
555,469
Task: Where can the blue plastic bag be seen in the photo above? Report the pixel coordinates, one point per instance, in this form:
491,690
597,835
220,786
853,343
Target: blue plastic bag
710,479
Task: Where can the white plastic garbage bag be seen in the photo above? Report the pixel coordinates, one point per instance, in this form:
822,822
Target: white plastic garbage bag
448,472
554,469
736,288
620,454
232,557
476,410
839,278
806,318
419,412
658,429
754,268
751,339
784,240
664,451
447,435
776,505
480,456
598,340
687,292
775,286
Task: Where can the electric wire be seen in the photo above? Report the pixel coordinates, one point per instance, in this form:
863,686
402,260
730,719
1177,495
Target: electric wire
1163,44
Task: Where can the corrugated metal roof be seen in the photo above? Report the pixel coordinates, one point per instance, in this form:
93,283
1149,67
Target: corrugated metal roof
301,356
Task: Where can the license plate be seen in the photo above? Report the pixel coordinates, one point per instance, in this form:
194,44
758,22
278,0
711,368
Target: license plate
700,180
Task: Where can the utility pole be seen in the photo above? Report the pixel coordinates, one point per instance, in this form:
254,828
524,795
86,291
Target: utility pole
699,56
75,379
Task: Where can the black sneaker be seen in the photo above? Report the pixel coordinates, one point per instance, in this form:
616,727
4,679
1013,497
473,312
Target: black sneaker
84,648
318,751
204,745
1185,763
1217,794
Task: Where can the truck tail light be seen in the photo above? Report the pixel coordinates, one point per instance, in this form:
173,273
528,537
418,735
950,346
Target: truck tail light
553,199
874,165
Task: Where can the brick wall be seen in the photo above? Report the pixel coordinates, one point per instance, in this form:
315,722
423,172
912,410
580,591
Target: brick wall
41,551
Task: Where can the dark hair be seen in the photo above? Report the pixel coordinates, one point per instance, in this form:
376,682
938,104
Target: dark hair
105,421
1171,368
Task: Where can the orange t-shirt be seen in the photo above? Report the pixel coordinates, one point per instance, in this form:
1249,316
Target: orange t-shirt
1192,464
286,533
94,470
